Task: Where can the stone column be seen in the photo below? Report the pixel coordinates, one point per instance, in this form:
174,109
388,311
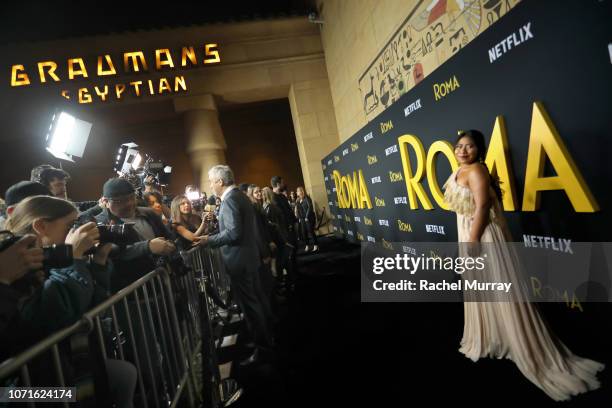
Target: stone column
205,142
316,133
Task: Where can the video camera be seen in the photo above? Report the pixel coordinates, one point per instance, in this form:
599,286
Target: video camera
141,169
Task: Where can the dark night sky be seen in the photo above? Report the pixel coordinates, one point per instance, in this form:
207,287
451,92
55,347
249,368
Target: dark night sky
27,21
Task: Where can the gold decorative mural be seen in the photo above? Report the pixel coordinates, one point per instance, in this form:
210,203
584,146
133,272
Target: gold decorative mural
432,33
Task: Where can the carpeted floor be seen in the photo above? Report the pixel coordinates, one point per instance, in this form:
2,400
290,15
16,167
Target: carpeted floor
333,350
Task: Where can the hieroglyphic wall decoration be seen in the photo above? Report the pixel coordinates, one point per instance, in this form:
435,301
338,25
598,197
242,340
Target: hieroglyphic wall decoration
432,33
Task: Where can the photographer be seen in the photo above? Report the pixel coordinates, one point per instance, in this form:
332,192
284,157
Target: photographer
52,178
15,262
56,181
21,190
60,298
148,238
134,256
52,302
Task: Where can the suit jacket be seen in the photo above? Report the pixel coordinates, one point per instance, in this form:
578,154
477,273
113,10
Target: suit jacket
237,237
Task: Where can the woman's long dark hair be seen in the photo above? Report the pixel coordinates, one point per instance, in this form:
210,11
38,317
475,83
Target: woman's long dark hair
479,140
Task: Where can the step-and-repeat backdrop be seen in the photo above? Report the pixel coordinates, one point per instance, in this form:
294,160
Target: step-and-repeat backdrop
538,85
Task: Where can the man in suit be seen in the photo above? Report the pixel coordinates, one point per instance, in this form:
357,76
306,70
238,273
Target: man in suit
289,252
237,240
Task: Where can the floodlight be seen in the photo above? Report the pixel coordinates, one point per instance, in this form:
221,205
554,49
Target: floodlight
192,193
136,161
67,136
126,156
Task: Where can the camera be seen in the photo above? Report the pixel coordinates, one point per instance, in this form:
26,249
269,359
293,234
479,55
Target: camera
118,234
54,256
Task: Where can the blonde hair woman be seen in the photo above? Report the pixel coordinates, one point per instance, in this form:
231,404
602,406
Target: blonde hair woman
187,225
67,292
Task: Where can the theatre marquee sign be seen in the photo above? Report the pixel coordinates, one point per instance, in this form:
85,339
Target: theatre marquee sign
130,65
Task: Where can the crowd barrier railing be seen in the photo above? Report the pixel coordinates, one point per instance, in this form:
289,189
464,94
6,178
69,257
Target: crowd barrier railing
162,323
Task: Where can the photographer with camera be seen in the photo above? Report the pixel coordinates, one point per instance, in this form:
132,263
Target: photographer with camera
147,237
60,298
58,295
15,262
136,248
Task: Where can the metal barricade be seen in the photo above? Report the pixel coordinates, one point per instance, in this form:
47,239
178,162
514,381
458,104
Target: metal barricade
144,329
163,323
207,286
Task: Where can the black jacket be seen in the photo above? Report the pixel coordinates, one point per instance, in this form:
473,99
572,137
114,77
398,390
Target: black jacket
307,210
288,220
276,223
61,300
263,231
134,260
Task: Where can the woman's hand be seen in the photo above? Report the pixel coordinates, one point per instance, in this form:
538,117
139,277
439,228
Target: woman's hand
18,259
473,248
102,252
82,238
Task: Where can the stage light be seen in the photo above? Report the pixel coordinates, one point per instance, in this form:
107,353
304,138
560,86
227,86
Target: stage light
136,161
168,169
67,136
192,193
124,161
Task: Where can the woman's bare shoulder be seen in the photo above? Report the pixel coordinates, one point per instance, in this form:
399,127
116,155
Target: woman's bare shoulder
478,172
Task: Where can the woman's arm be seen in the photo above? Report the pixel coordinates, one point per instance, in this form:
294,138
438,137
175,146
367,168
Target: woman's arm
479,182
185,233
202,228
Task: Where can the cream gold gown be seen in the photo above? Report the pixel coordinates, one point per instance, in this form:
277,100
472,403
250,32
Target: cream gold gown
514,330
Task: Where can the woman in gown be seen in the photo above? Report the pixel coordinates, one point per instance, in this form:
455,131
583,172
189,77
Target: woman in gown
510,329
